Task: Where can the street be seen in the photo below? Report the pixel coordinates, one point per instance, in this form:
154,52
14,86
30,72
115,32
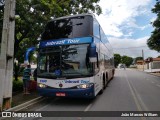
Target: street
130,90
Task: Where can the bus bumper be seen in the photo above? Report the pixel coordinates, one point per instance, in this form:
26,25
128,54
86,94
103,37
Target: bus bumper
75,93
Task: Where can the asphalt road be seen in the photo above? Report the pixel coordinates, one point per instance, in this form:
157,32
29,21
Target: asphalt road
130,90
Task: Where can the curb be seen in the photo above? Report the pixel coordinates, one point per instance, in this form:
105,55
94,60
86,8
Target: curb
154,75
26,104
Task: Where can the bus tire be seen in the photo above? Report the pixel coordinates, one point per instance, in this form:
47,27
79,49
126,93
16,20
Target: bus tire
101,91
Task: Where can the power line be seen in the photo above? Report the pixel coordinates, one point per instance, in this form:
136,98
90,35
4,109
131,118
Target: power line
131,47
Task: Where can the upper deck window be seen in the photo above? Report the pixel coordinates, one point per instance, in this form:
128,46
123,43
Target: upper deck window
96,29
71,27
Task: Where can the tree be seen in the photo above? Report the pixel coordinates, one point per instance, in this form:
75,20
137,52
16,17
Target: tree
34,14
138,58
154,40
126,60
117,59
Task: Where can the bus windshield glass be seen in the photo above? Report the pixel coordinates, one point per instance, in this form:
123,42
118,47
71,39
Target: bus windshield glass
67,61
71,27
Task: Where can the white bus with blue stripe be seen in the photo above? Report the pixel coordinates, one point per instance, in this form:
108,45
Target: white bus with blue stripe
75,58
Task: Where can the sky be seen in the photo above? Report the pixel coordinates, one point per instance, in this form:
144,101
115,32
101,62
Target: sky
127,24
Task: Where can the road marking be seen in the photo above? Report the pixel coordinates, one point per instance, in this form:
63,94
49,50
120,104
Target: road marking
152,82
88,107
30,105
41,109
136,98
133,94
26,104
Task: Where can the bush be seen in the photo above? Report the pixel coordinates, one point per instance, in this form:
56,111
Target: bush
20,73
17,85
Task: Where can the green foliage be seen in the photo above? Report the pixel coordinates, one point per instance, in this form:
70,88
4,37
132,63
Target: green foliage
154,40
17,85
123,59
20,72
117,59
126,60
33,59
34,14
84,6
138,58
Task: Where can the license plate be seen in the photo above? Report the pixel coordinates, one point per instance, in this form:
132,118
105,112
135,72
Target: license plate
60,94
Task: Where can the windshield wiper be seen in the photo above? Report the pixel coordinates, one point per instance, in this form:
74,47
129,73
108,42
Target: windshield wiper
77,73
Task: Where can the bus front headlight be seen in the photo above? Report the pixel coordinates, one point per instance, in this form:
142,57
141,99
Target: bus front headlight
42,85
83,86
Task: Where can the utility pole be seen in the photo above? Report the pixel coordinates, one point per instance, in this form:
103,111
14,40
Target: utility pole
7,55
143,58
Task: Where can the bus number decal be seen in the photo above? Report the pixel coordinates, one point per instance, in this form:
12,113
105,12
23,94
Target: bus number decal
43,81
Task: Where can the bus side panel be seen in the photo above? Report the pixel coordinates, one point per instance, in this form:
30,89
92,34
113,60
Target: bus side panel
97,83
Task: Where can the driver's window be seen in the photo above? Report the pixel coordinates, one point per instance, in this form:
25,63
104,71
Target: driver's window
96,64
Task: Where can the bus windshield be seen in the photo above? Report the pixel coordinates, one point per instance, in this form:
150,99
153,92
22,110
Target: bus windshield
71,27
67,61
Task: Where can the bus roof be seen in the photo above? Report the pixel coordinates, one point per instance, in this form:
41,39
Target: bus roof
71,16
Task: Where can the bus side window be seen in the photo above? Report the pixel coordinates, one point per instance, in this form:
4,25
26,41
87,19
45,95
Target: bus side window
96,65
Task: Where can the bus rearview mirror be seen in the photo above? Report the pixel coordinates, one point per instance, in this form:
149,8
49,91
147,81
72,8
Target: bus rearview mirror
93,53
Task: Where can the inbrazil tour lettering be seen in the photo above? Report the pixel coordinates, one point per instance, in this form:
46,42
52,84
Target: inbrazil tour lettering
61,42
49,43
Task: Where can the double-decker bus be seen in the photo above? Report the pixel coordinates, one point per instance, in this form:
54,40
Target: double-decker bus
75,58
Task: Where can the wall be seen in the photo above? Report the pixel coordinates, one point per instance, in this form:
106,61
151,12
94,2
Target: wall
141,66
154,65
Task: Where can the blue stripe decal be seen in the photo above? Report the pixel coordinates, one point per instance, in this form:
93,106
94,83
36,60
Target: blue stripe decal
56,42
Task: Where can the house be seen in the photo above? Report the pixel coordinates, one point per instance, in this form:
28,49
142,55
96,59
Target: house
153,63
141,64
149,64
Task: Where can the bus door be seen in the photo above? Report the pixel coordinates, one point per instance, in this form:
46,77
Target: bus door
93,58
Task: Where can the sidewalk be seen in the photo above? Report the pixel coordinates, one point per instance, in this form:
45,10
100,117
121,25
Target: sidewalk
152,72
156,74
20,98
